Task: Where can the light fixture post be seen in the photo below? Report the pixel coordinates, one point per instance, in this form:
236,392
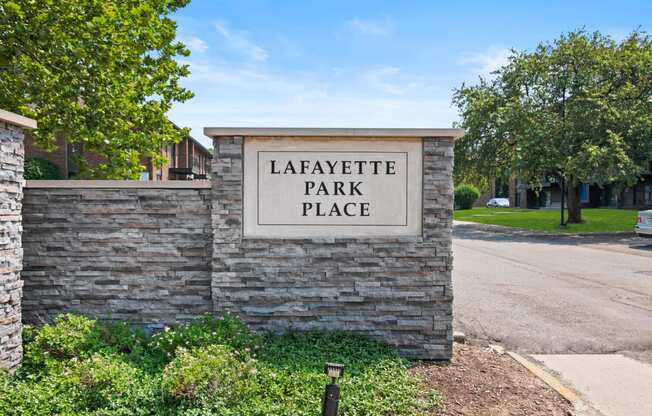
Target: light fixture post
332,393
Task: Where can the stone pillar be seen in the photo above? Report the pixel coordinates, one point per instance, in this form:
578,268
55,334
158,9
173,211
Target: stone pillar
396,288
11,252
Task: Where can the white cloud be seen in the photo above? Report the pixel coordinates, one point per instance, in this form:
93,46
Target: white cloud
242,95
371,27
196,45
247,79
484,63
240,42
384,79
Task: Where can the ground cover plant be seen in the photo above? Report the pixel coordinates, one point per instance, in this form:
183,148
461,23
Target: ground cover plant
212,366
595,220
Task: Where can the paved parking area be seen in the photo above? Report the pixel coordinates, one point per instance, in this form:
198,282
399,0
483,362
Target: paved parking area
554,294
569,303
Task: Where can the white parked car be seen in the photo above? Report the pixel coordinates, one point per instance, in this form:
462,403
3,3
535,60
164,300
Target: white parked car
498,203
643,225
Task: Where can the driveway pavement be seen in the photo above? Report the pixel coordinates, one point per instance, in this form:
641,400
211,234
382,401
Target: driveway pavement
568,302
553,295
613,384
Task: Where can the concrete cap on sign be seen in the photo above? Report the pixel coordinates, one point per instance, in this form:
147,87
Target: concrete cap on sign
330,132
17,120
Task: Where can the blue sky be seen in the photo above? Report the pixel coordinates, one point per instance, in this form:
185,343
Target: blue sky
362,63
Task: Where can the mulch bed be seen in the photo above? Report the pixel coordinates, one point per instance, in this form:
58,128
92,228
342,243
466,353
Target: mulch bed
483,381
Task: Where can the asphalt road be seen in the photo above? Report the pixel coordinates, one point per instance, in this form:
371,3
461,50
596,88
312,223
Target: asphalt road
553,294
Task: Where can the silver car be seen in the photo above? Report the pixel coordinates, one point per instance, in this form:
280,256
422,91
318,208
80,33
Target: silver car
643,225
498,203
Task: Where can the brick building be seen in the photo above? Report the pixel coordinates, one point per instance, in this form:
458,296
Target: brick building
187,160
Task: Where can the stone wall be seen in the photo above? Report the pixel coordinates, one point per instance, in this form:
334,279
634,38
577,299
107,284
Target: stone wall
141,254
159,253
396,289
11,254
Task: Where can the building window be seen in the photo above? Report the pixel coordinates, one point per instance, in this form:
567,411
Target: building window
584,192
144,176
648,194
173,156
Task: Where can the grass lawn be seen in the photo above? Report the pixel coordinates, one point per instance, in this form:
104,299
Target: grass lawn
596,220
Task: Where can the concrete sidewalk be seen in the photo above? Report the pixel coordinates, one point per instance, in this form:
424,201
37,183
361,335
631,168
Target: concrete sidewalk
612,384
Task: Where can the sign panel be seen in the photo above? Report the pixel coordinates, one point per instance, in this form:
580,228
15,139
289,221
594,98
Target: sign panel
320,187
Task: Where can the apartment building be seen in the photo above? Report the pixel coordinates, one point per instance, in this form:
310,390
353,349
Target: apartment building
187,160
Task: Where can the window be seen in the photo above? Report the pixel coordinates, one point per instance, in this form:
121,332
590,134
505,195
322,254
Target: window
648,194
173,156
584,193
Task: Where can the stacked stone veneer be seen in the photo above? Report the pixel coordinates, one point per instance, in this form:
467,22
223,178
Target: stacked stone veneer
11,254
396,289
139,254
158,256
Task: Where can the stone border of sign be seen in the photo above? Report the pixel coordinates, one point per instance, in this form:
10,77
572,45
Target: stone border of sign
397,289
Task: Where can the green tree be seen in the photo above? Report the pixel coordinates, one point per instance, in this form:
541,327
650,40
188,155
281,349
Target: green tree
579,108
101,73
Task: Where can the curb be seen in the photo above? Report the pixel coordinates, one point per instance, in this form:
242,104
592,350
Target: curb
547,378
522,232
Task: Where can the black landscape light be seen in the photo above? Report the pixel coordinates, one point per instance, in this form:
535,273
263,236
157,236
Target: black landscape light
332,393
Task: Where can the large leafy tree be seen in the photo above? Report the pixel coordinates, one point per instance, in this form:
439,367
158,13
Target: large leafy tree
578,108
101,73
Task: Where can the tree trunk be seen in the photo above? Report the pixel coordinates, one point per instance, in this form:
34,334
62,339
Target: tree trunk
574,209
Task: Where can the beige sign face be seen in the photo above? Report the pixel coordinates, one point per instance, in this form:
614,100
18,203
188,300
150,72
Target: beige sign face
320,187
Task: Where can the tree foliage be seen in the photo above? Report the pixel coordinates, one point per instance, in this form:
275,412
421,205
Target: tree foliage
97,72
579,108
37,168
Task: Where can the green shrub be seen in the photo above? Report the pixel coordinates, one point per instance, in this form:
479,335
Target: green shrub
97,385
121,337
75,336
104,384
227,329
70,336
212,366
36,168
465,196
209,373
41,394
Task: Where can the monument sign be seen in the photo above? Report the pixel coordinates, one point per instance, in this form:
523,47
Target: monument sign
344,229
319,188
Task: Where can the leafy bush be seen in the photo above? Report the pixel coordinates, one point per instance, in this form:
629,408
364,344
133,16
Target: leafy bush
226,329
104,384
35,394
212,366
465,196
74,336
37,168
206,373
70,336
